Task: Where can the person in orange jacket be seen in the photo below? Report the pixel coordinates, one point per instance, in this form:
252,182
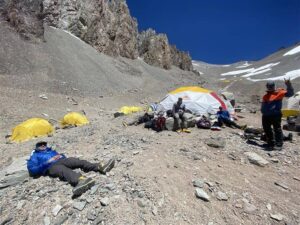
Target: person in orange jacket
271,112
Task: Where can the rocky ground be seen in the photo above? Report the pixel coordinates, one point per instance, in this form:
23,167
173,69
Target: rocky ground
205,177
159,178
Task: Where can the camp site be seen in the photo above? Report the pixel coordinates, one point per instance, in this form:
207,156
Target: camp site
106,122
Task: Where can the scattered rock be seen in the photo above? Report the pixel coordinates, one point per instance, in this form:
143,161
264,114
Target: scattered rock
110,186
176,165
91,215
141,203
222,196
135,152
238,206
196,157
45,114
6,220
269,207
154,211
198,183
216,142
56,210
20,204
94,189
277,217
104,201
232,156
281,185
256,159
249,208
98,220
274,160
296,178
79,205
61,220
210,184
43,96
200,193
47,220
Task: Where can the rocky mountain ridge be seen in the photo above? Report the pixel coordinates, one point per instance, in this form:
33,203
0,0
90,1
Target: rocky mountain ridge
105,25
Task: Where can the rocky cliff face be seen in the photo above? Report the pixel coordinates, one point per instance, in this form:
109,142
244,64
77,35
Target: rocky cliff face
181,59
154,49
25,16
104,24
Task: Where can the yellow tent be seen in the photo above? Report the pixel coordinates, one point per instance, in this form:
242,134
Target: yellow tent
74,119
130,109
32,128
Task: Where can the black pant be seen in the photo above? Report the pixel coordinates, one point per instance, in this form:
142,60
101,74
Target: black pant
227,122
64,169
267,123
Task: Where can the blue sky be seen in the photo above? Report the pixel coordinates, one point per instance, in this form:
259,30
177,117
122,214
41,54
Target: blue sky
222,31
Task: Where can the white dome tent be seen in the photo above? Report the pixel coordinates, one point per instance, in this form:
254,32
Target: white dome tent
199,101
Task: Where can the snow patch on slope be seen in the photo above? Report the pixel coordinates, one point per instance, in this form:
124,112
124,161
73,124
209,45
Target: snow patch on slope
289,75
246,64
231,73
252,71
293,51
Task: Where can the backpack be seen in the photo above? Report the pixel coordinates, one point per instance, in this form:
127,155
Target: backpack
149,124
169,113
145,118
203,123
159,124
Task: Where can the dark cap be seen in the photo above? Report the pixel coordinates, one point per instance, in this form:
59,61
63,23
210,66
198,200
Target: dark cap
40,143
270,86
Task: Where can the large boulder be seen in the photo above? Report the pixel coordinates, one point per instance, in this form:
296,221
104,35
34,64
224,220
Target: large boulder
15,173
256,159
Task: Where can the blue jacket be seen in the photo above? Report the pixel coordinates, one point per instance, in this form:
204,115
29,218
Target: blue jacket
224,114
37,164
272,101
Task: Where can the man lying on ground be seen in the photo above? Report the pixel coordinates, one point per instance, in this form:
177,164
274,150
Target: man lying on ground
46,162
224,118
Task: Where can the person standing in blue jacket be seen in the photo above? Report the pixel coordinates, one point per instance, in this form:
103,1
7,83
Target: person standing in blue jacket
271,112
46,162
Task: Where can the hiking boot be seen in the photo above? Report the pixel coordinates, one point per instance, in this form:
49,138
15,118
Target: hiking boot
290,137
243,127
268,147
104,168
83,185
186,130
179,130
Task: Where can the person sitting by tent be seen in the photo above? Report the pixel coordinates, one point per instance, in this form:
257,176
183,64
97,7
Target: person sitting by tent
46,162
180,120
271,112
225,118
